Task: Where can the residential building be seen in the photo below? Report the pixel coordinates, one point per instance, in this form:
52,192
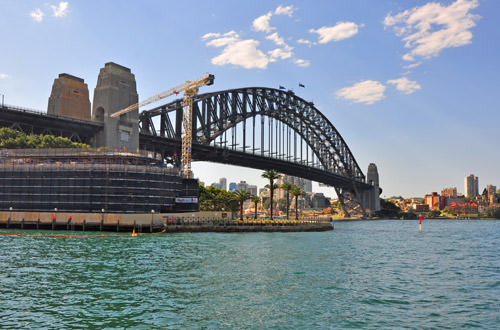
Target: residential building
492,194
449,192
435,201
471,186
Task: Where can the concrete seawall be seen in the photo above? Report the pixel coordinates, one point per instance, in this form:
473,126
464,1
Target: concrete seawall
153,222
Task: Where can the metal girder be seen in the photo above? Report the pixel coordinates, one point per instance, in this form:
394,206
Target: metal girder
218,112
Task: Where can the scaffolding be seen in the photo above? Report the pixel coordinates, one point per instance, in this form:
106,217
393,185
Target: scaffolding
89,180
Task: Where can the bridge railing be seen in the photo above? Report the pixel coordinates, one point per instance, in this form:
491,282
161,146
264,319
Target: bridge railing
69,153
43,113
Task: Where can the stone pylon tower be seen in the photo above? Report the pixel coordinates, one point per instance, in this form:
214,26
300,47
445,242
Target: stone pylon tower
69,97
371,198
116,89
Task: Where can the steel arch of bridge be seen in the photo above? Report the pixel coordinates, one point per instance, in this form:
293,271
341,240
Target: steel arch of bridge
216,113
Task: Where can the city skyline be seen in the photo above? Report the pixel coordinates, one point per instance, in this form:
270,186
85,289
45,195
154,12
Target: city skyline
401,97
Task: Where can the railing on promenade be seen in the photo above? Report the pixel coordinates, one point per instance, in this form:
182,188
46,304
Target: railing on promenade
237,222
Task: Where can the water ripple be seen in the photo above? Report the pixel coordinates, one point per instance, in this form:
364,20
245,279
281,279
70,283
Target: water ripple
364,274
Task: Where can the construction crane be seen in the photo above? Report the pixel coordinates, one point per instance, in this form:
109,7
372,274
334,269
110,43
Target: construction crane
190,89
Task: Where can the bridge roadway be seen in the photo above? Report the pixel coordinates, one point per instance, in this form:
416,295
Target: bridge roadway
210,153
35,122
30,121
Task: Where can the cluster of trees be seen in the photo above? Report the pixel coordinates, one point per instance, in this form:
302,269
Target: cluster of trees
216,199
492,212
12,139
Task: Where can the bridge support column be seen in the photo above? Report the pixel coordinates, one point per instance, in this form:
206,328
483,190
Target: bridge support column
115,90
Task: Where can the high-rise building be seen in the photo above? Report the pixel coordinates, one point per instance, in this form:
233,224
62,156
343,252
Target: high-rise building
305,184
223,183
232,186
242,185
471,185
252,189
492,193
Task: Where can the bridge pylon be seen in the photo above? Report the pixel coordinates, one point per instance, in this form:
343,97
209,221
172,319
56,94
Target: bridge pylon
116,89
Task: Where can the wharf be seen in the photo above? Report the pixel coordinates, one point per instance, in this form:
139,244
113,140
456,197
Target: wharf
154,222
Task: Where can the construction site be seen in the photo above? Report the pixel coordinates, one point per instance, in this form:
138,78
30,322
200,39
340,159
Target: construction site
89,180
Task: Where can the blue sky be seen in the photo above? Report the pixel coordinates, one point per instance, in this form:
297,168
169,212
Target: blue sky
411,85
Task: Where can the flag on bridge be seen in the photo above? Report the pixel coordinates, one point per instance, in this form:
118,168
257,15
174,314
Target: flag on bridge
302,85
282,87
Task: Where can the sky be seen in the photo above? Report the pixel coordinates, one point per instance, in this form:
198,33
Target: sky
412,86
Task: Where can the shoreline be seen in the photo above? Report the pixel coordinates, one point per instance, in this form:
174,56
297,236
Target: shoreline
154,222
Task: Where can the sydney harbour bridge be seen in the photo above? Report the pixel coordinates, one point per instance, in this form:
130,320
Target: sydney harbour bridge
256,127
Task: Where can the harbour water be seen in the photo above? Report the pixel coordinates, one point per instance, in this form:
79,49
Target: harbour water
364,274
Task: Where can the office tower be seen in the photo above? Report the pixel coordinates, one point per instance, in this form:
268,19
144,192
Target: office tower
223,183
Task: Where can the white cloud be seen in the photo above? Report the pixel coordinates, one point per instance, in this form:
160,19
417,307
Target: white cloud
367,92
276,39
305,42
37,15
430,28
288,10
340,31
210,35
246,52
61,10
224,39
302,63
3,75
279,53
412,66
261,23
238,52
243,53
405,85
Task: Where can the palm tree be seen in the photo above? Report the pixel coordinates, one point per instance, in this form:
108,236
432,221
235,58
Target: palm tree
271,175
296,192
241,197
256,200
287,186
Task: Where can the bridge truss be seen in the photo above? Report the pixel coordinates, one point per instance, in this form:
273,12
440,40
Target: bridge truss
260,128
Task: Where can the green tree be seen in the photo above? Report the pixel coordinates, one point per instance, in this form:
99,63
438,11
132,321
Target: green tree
255,200
13,139
242,196
492,212
271,175
296,192
434,213
389,210
287,186
215,199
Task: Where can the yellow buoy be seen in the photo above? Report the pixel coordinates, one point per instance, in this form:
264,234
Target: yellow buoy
134,233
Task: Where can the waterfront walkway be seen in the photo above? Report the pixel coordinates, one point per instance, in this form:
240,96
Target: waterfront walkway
151,223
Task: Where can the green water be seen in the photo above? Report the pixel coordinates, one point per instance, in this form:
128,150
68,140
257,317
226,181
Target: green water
381,274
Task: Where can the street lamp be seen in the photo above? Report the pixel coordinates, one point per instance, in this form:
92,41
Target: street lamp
10,213
2,98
